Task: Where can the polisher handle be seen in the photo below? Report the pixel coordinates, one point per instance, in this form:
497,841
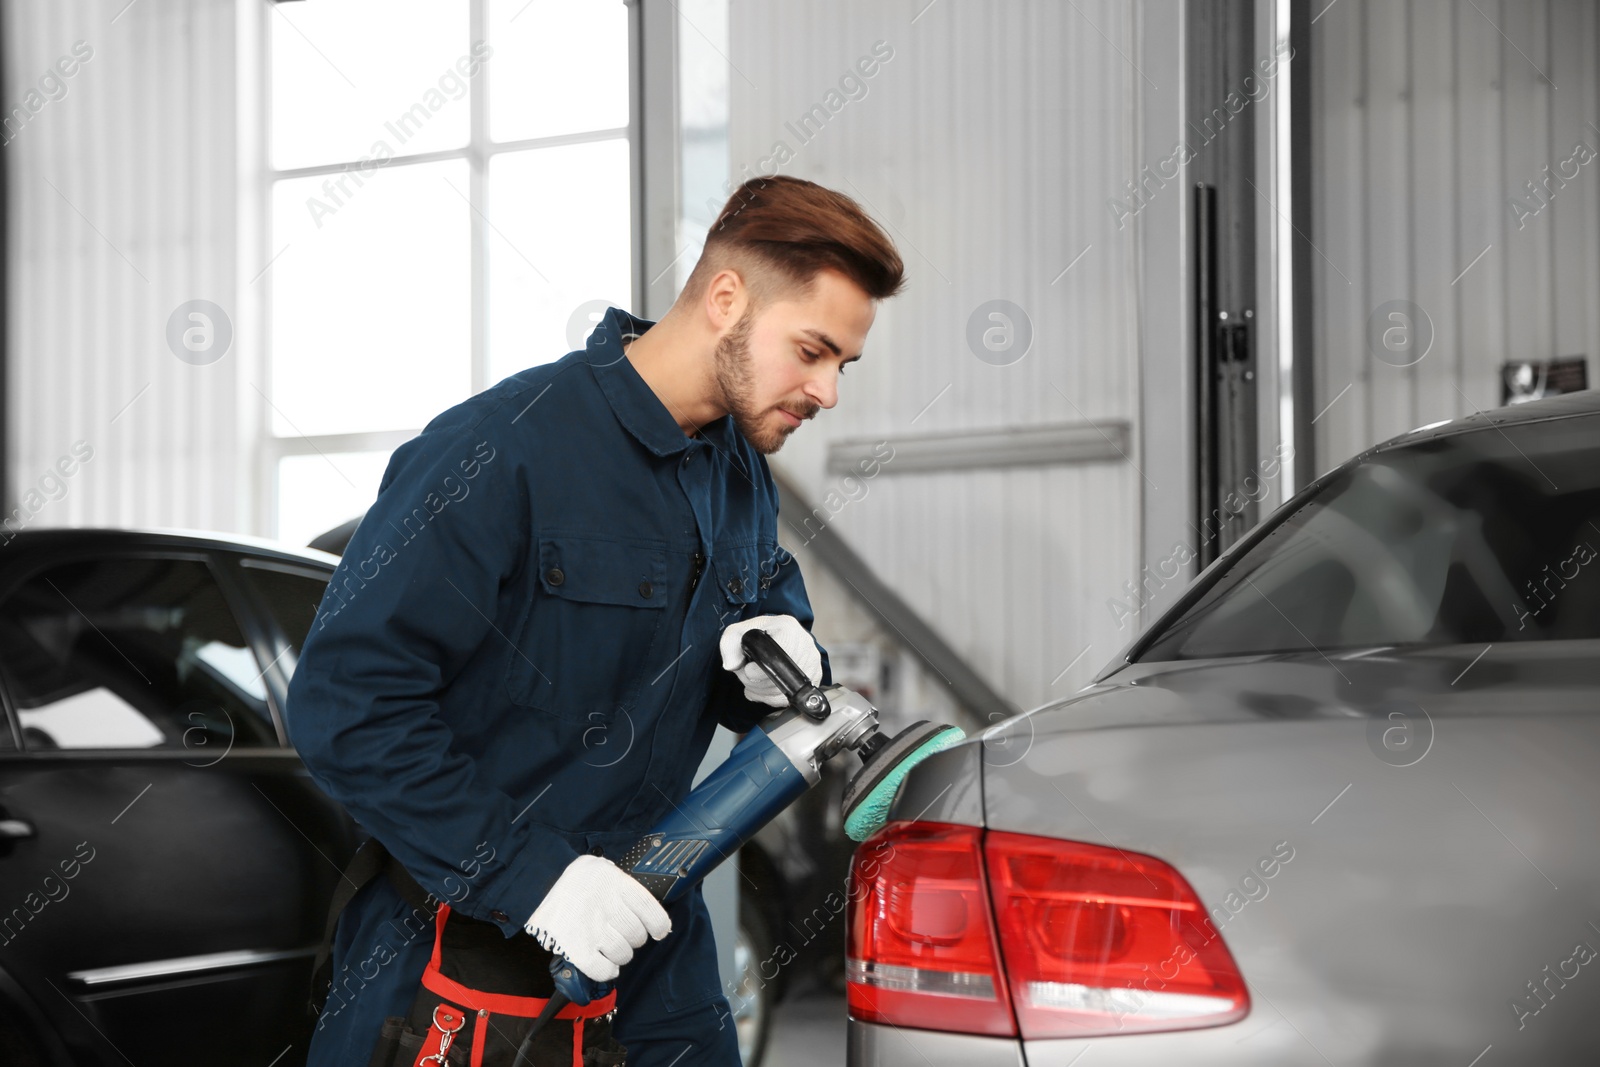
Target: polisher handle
804,697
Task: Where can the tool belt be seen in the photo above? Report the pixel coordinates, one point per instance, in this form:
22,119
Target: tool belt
479,993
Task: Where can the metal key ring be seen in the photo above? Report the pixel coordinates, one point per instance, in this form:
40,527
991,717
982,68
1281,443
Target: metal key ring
447,1037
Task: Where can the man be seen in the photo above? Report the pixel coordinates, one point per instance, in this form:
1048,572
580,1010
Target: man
517,667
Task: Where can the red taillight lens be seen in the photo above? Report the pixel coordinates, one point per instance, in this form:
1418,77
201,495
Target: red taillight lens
921,941
1100,941
1094,940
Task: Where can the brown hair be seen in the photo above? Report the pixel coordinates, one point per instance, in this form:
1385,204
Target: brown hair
778,232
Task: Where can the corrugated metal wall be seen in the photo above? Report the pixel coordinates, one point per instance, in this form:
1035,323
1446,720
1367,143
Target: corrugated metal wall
989,144
121,208
1430,118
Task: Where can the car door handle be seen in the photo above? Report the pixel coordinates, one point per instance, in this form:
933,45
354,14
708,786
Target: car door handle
12,829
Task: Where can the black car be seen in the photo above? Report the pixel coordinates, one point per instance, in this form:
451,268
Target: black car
165,860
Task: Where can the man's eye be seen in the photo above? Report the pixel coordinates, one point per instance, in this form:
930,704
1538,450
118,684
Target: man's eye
818,355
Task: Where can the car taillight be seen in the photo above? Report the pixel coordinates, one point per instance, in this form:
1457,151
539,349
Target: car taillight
1100,941
921,939
1094,940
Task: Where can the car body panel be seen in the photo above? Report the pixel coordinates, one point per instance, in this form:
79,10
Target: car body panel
879,1043
946,786
1406,865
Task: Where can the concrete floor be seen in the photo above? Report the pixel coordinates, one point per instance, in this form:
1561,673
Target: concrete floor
808,1031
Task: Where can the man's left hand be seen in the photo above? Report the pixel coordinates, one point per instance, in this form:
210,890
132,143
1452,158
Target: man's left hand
791,636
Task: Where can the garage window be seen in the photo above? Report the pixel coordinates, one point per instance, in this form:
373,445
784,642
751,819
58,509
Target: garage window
450,202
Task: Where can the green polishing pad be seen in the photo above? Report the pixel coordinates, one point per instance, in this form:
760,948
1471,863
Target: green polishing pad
869,794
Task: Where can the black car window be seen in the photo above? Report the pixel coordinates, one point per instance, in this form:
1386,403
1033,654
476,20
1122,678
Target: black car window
1490,535
291,596
118,653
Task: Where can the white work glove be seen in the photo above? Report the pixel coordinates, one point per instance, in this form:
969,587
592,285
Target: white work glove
792,637
596,915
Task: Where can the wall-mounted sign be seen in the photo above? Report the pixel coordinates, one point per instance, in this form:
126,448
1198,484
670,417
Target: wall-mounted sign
1521,382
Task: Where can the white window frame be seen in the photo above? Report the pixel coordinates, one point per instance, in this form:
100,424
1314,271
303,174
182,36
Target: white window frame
479,151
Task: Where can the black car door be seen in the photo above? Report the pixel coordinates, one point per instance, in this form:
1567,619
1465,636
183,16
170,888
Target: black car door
162,880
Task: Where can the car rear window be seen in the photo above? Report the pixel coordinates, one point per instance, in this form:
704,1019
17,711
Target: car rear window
291,595
1485,536
136,652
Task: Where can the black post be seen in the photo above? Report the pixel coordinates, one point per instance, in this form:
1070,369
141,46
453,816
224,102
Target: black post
1303,385
1205,370
7,502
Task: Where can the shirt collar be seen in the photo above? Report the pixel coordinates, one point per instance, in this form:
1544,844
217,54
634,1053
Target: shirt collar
636,404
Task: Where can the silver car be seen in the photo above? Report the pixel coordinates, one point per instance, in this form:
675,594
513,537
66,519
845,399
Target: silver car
1338,805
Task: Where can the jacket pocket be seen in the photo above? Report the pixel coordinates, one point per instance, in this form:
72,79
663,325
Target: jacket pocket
587,634
739,577
770,558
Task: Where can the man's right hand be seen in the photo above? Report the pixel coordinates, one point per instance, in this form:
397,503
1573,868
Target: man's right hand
595,915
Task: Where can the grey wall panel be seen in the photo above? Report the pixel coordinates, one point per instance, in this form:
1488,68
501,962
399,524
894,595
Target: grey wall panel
1431,234
122,207
1166,329
1431,118
989,146
1385,183
1340,292
1478,287
1575,228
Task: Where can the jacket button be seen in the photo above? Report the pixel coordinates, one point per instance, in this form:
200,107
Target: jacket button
554,576
597,851
735,586
645,589
498,916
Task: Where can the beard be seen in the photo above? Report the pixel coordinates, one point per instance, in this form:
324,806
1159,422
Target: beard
764,429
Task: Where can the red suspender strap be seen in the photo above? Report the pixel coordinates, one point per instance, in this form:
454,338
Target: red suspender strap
478,1043
439,916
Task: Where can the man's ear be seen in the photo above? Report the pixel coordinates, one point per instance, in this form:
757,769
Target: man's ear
726,298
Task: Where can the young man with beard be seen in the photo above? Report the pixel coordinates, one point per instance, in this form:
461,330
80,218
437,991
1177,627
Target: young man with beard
527,665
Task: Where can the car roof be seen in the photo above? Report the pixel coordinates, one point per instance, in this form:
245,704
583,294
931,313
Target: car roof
74,537
1566,405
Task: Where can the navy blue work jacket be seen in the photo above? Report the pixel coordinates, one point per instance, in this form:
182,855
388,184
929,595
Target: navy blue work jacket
516,660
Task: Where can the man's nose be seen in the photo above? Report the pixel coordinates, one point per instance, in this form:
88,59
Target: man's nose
823,386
